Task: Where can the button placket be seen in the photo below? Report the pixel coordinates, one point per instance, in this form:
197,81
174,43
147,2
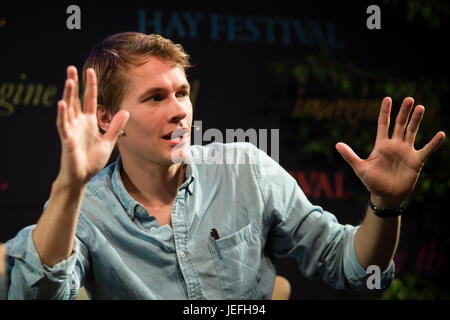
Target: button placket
180,228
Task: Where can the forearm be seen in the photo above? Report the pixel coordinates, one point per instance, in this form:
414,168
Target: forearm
376,240
54,234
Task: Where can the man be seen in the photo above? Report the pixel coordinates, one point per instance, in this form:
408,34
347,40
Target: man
157,225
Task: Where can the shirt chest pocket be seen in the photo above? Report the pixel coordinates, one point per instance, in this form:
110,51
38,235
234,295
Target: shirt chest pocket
237,259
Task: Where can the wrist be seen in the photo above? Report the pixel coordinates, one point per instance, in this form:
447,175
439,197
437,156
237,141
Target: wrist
385,203
65,184
387,209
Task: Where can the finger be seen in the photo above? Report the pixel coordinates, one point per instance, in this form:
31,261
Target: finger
68,87
413,125
402,118
90,94
384,118
69,101
117,124
61,119
349,156
431,146
66,94
72,74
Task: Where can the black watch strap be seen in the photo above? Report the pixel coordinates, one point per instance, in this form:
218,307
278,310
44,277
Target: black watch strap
386,213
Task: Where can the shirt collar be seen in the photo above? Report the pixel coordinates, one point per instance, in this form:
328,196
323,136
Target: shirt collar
189,178
129,202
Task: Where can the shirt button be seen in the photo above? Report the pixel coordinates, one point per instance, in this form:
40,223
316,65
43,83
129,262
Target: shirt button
182,255
152,228
138,209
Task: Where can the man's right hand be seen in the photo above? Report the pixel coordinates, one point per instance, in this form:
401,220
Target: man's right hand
85,151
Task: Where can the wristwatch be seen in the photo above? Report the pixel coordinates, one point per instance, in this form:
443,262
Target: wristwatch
386,213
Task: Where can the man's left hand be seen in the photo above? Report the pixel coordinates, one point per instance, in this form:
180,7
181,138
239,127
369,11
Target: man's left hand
392,169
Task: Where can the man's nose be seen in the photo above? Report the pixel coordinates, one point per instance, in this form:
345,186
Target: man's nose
177,110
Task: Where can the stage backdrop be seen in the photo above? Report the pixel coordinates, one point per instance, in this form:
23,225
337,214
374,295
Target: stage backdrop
316,72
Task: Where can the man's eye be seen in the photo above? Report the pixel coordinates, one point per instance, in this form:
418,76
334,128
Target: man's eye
182,94
155,98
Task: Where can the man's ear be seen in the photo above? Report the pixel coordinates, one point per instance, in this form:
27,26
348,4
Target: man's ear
104,118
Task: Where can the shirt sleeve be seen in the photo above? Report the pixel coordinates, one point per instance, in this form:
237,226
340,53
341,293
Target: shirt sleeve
321,245
31,279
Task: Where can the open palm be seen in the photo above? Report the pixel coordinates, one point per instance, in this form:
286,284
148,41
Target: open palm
85,151
393,167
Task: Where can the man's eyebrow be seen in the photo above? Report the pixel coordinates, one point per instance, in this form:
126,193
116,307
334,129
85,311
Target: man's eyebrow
185,86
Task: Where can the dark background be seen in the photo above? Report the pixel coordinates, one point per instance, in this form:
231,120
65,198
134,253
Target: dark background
317,74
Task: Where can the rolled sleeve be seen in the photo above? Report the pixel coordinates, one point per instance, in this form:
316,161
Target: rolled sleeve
355,273
63,269
29,277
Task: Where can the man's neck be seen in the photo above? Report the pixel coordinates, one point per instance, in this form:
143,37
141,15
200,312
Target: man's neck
151,184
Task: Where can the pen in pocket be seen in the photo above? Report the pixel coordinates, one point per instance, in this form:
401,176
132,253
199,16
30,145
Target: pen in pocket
216,237
215,234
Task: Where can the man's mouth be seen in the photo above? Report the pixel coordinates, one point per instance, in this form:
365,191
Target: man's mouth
176,137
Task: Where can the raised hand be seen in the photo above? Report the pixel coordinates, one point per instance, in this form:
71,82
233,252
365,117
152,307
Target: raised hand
85,151
393,167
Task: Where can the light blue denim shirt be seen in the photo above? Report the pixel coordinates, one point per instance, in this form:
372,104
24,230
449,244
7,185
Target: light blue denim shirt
257,208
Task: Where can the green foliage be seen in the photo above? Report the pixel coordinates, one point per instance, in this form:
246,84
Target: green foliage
410,286
432,12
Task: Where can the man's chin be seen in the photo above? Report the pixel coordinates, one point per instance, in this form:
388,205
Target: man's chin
180,153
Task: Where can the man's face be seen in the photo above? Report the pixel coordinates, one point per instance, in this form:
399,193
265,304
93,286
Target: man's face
159,126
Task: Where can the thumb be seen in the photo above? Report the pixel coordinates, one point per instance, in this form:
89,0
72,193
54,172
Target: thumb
349,156
117,124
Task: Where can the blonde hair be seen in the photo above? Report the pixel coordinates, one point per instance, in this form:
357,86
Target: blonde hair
115,55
